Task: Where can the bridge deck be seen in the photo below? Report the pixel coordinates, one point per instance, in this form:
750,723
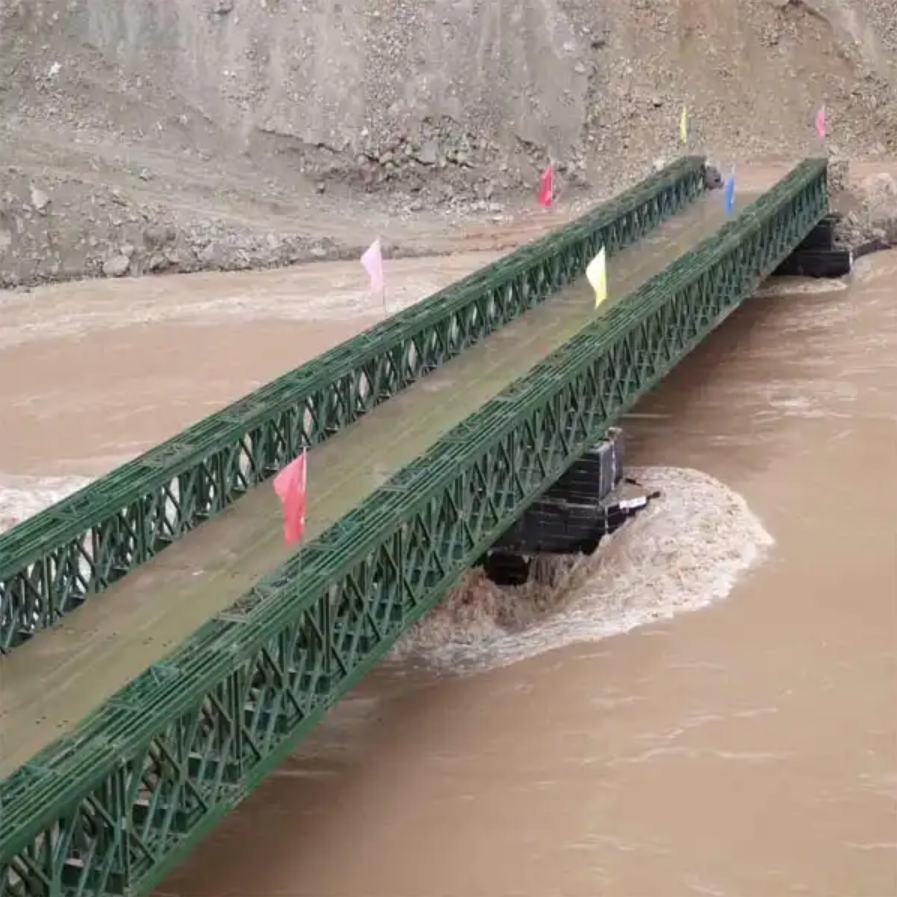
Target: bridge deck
63,674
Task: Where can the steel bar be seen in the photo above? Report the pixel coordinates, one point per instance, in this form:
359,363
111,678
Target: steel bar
113,807
53,562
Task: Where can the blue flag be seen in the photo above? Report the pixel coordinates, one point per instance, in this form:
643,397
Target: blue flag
729,195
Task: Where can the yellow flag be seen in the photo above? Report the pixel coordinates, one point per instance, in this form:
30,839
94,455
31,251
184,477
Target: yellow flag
596,274
683,125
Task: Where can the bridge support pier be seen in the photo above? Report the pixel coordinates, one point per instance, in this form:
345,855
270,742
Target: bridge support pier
591,500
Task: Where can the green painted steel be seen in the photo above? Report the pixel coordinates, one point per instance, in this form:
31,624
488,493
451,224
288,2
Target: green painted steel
112,808
51,563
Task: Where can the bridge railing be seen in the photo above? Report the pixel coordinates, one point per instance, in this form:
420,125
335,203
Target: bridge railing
51,563
114,806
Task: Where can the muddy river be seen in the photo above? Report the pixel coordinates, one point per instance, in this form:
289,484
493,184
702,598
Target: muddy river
706,707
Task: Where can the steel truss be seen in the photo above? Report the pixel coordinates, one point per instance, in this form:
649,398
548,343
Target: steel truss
112,808
51,563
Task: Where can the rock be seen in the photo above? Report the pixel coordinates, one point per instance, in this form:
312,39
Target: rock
213,255
712,178
428,154
39,199
5,240
127,250
875,221
117,266
838,176
158,263
157,236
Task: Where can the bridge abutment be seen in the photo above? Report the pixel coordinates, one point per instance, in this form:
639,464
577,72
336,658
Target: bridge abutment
818,256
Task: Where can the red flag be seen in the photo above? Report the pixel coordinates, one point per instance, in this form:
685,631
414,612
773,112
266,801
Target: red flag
545,188
289,485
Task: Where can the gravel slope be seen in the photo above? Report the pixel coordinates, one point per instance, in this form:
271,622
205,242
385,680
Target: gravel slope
232,134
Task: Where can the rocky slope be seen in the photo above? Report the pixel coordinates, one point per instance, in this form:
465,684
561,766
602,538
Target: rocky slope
142,136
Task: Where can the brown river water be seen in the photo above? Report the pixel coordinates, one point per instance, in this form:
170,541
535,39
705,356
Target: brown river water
706,707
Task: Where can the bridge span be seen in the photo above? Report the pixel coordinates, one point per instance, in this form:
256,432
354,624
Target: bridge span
165,650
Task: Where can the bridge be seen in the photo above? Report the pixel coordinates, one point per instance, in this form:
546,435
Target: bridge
163,649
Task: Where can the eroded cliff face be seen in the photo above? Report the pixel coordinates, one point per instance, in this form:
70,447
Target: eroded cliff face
336,80
173,135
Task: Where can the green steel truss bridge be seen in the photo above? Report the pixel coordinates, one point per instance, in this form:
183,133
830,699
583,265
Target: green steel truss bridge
164,651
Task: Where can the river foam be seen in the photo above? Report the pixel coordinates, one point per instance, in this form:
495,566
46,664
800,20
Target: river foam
685,551
23,496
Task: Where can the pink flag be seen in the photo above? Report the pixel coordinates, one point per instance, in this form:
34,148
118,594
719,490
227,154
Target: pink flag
289,485
545,188
820,122
373,264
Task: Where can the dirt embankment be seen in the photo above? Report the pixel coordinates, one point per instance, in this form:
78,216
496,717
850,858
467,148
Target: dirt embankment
225,134
870,211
